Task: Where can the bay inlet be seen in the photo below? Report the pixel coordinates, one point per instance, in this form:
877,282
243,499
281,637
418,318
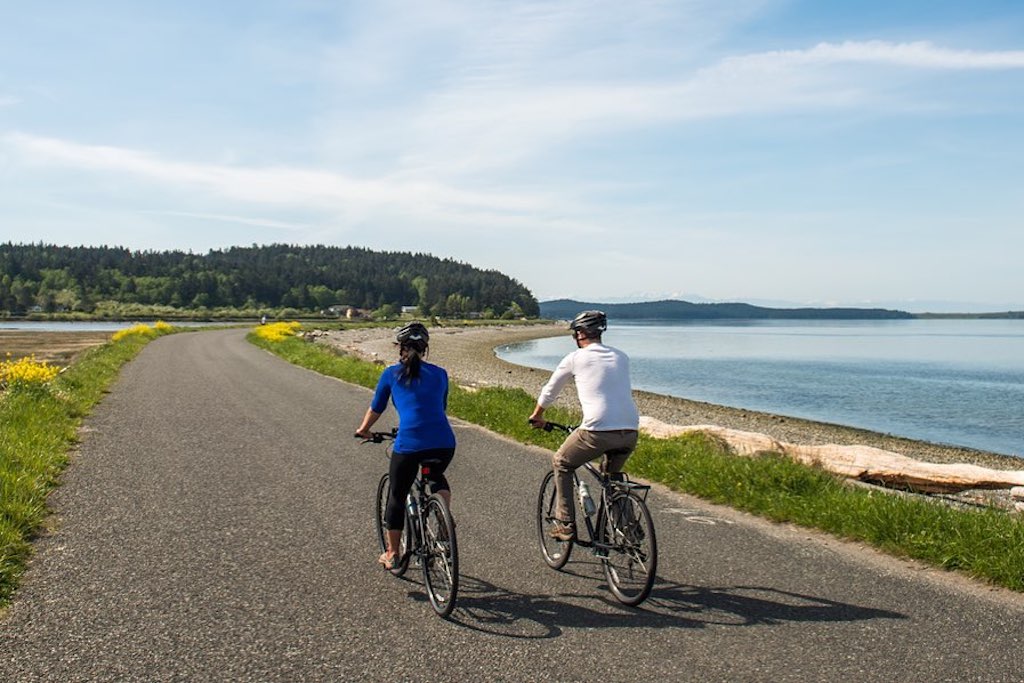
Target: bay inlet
954,382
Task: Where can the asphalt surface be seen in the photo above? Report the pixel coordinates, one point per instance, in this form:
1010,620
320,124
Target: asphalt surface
216,525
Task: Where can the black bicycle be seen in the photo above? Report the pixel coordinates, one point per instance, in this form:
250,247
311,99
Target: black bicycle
622,536
428,537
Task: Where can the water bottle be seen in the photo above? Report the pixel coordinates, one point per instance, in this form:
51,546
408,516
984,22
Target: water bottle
410,506
585,500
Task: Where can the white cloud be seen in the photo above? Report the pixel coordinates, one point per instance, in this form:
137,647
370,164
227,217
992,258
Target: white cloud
243,220
920,54
497,120
796,80
463,87
269,185
491,123
475,126
340,202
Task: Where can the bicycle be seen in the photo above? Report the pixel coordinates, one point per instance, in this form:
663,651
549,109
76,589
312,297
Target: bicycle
622,536
428,535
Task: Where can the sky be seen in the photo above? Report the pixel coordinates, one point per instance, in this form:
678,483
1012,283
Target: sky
767,151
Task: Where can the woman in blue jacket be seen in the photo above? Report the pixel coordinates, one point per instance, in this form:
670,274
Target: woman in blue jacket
419,391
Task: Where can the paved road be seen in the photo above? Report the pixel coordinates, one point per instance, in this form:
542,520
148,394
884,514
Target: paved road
216,525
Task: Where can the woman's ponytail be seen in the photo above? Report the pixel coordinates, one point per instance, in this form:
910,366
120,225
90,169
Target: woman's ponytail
412,353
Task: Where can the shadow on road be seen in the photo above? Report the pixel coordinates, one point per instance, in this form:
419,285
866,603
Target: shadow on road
753,605
487,608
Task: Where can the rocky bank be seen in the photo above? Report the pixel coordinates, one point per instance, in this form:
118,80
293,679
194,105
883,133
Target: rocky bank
468,353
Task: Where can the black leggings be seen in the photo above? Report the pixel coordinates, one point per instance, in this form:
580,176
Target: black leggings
402,473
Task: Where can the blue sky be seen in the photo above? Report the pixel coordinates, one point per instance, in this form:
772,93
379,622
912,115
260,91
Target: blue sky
775,152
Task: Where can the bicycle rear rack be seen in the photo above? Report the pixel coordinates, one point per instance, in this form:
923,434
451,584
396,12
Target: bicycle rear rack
626,486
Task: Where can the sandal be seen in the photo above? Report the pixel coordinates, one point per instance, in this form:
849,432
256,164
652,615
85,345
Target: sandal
562,531
389,562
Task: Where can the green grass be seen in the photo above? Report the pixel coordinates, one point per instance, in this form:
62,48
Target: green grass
986,544
322,360
500,410
38,426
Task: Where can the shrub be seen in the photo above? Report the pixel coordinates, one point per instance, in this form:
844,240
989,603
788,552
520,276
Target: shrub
26,373
141,329
275,332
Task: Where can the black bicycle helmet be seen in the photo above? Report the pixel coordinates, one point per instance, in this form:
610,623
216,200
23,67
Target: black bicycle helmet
413,332
591,322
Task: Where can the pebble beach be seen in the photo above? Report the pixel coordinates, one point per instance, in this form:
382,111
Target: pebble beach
468,354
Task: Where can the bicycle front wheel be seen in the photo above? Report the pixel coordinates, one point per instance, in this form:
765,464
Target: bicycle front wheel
556,552
440,556
627,532
383,491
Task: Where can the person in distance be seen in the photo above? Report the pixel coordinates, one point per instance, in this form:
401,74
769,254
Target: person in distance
610,417
419,391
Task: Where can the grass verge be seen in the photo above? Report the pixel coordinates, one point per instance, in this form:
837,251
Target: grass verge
38,426
986,544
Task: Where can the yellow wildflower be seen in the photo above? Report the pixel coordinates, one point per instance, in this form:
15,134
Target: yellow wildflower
276,332
140,329
26,371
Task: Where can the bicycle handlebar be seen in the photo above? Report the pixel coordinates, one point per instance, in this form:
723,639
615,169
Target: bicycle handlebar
548,426
379,437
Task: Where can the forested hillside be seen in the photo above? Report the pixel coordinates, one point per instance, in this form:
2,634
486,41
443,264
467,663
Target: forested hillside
47,278
684,310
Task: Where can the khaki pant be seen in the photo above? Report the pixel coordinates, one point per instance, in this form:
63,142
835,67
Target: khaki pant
583,446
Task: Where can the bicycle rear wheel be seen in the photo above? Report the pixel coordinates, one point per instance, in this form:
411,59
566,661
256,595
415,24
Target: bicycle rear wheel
383,491
627,530
556,553
440,556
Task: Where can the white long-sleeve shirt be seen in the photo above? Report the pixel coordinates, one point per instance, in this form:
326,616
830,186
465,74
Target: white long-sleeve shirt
602,382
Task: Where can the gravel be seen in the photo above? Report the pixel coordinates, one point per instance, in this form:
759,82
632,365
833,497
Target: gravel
468,353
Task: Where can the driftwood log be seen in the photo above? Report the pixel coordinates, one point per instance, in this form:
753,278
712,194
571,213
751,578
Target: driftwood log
863,463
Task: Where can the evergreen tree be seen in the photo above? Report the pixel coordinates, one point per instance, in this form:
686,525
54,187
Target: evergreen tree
306,278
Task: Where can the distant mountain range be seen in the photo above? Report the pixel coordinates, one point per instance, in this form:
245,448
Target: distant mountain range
565,309
958,307
672,309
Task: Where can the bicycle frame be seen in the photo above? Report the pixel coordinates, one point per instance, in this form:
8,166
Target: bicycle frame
609,487
416,522
418,492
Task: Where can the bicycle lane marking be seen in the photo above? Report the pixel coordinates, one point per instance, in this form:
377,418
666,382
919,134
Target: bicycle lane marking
696,516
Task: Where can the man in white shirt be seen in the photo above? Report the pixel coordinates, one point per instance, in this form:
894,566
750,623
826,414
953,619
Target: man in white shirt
610,418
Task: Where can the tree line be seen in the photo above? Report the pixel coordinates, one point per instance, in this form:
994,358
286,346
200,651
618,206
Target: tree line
90,280
685,310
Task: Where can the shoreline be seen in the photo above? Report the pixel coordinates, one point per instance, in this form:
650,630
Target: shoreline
468,354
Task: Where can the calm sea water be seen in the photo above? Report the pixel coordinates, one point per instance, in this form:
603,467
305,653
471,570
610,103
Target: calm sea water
957,382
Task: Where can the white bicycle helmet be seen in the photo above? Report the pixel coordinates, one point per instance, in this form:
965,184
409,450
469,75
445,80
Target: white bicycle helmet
591,322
